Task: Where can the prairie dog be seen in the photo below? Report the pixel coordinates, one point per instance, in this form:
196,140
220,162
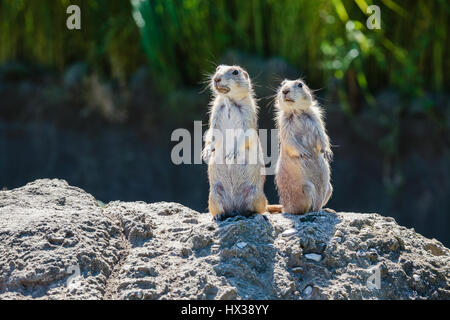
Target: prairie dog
235,166
302,173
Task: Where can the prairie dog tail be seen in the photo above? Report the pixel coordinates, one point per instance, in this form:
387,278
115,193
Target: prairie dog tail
274,208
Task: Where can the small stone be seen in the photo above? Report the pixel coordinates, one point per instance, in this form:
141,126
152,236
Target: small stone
363,246
313,256
185,252
361,253
229,294
434,249
416,277
297,270
135,295
241,245
215,247
164,212
55,240
289,232
200,241
308,290
373,254
191,220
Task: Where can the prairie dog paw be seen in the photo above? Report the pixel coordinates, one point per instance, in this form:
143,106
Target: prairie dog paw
206,154
304,154
328,154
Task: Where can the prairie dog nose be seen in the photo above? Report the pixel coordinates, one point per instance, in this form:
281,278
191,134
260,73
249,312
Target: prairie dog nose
286,91
217,80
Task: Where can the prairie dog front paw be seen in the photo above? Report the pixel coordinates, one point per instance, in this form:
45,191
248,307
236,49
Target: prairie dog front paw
328,154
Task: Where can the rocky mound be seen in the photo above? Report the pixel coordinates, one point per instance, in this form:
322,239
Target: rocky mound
59,242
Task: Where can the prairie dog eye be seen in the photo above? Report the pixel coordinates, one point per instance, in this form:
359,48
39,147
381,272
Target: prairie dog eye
235,72
300,85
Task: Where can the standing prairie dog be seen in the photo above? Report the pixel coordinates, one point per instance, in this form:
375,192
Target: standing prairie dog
235,166
302,174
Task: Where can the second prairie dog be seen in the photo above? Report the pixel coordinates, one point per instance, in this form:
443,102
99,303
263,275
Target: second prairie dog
302,173
236,187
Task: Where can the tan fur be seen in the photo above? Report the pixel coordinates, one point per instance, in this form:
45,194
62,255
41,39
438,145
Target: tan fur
235,188
274,208
302,172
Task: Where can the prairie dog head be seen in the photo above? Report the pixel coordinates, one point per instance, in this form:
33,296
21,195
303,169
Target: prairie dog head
231,81
294,95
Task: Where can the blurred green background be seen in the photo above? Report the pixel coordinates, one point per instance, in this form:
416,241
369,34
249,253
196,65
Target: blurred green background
96,106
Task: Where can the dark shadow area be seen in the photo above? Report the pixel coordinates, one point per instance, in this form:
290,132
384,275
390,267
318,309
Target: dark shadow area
314,232
256,265
247,255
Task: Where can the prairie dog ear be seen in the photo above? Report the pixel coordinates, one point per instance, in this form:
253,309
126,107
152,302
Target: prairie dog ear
218,67
245,74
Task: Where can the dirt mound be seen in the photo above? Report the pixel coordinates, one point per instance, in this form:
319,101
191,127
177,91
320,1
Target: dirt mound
58,242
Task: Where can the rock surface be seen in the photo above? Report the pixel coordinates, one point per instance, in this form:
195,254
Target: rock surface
58,242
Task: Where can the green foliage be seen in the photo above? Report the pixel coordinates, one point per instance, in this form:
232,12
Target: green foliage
35,31
322,38
182,39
